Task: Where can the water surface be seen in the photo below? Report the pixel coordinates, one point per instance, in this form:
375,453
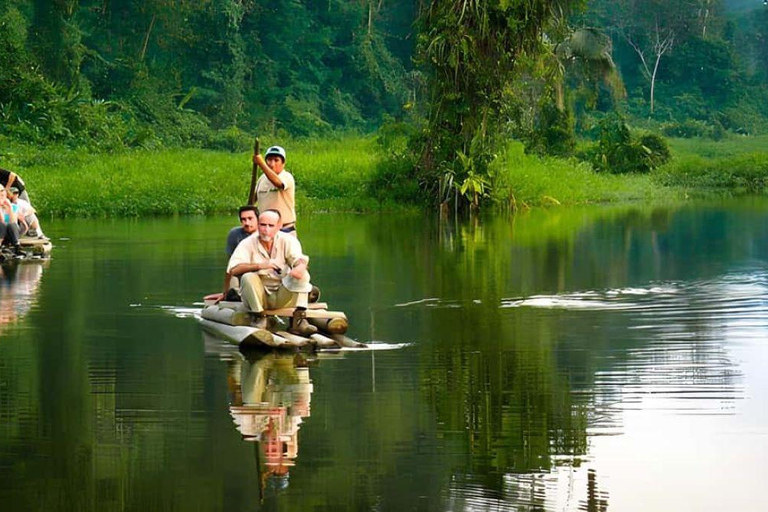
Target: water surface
571,359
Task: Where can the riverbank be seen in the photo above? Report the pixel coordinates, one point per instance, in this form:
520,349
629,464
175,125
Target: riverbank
340,174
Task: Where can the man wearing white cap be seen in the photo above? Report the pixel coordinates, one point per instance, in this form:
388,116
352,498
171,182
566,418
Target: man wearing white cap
273,272
276,189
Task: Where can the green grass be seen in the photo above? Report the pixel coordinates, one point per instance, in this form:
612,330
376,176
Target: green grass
733,175
330,175
339,173
736,165
529,181
732,145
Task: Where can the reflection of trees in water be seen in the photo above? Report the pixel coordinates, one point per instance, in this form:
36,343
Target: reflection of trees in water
270,396
516,389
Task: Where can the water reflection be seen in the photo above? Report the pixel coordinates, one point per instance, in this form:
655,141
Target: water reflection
564,360
19,283
269,397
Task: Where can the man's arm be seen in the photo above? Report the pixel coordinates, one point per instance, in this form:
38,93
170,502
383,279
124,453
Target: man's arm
11,179
269,173
299,268
243,268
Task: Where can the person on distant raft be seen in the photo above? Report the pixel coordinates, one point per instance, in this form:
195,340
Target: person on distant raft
29,224
10,179
276,188
273,273
9,227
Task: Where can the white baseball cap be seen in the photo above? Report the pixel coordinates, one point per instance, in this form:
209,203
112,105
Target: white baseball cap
276,150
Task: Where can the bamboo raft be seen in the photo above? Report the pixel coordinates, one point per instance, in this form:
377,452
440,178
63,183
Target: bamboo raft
231,322
31,248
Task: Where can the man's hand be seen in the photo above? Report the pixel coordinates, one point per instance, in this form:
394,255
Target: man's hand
273,266
299,270
259,160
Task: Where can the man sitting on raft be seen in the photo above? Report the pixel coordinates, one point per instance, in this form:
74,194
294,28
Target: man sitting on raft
273,273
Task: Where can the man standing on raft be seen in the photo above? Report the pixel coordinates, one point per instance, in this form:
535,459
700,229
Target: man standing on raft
276,188
273,273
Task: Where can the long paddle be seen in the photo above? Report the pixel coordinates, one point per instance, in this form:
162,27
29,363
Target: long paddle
252,192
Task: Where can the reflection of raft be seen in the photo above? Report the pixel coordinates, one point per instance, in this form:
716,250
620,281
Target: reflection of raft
230,321
30,248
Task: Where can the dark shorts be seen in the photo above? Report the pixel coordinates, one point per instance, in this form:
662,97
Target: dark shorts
289,229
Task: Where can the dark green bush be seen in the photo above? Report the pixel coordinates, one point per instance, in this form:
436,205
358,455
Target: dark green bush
552,133
686,129
657,148
619,152
394,181
231,139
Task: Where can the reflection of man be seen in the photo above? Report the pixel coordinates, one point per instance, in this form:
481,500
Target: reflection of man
273,272
270,396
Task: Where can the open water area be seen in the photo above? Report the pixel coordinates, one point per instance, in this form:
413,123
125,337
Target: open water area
558,360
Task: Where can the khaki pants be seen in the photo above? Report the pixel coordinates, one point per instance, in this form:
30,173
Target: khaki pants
257,298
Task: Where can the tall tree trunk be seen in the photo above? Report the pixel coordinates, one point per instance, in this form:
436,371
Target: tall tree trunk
146,38
653,80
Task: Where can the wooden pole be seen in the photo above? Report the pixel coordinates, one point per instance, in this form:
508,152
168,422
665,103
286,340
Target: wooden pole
252,190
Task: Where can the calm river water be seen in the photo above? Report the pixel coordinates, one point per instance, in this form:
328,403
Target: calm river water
572,359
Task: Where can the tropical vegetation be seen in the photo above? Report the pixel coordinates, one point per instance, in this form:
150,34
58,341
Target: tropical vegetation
438,93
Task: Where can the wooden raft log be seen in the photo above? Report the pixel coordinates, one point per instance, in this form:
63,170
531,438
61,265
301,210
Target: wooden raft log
293,339
347,342
227,316
238,334
336,325
311,313
323,341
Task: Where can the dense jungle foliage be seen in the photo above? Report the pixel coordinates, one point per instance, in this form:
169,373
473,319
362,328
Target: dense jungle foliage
446,84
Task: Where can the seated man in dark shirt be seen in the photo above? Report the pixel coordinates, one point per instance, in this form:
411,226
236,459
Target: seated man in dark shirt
248,225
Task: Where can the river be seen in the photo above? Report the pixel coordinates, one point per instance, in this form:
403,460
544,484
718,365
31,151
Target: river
566,359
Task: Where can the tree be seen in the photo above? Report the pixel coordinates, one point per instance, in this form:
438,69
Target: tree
471,49
652,28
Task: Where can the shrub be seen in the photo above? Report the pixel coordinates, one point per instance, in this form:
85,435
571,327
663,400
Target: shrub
552,134
393,180
619,152
687,129
231,139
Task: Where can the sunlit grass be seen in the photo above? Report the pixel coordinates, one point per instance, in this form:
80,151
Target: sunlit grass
336,174
525,181
707,148
330,175
735,165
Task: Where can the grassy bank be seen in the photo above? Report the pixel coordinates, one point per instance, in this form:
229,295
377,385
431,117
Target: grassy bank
337,175
529,181
331,175
701,167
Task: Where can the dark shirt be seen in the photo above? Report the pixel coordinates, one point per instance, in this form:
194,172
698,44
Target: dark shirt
6,175
235,236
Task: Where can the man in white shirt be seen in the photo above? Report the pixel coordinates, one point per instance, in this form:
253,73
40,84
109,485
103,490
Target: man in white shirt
273,272
276,188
